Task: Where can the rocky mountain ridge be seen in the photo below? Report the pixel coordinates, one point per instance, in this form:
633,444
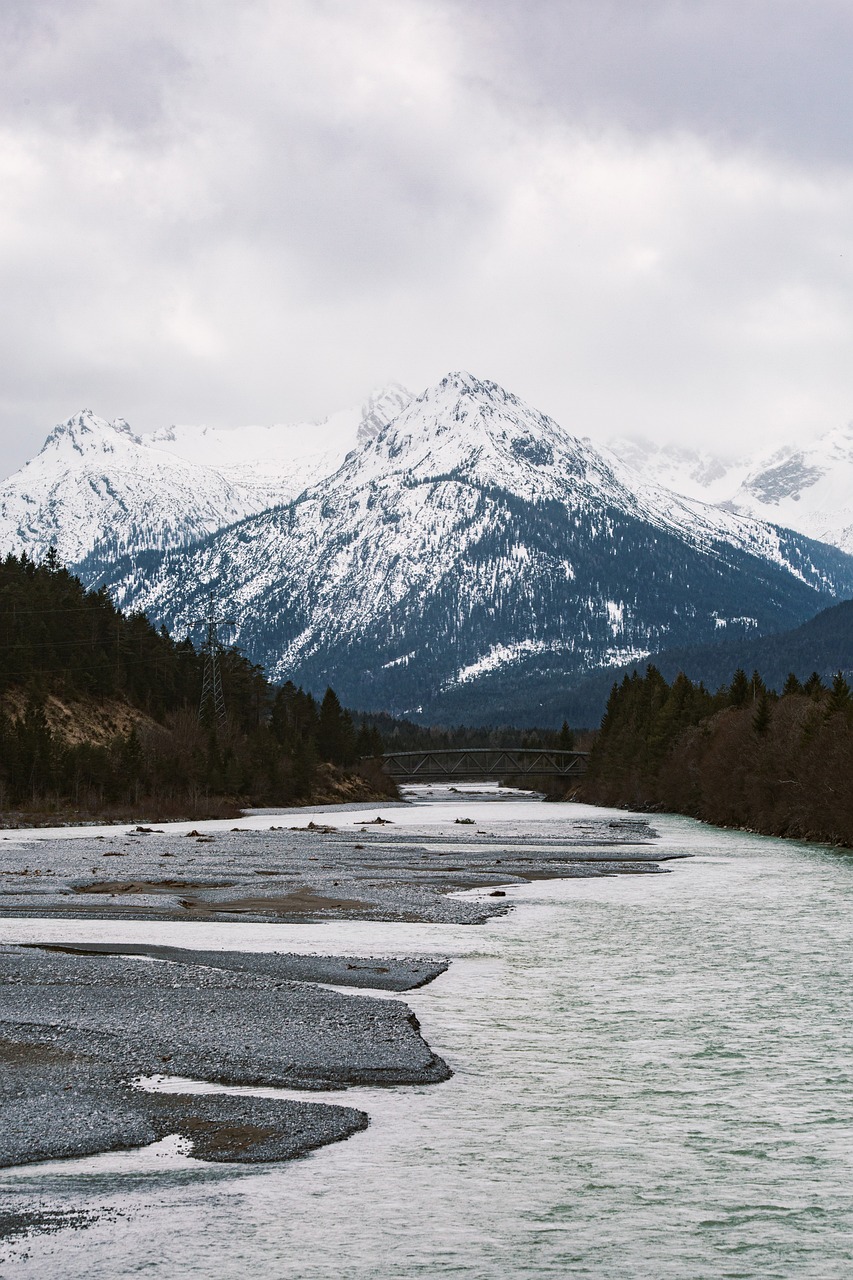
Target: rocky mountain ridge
98,488
806,487
472,541
465,554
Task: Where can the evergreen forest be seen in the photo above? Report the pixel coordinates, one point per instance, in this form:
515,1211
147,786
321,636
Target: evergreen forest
100,715
743,756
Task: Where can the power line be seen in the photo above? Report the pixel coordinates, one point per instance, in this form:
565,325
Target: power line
212,704
92,608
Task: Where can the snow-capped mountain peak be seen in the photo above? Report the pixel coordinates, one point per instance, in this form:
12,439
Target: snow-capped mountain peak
98,487
475,430
472,535
85,433
807,487
804,486
381,407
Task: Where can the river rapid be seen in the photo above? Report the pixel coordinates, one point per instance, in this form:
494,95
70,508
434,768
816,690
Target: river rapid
653,1078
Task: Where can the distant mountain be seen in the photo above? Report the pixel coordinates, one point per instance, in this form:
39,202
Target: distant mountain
806,487
97,490
470,552
272,465
96,481
809,488
695,473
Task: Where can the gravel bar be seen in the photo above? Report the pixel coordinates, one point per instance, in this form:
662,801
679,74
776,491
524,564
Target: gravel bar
80,1023
313,872
77,1029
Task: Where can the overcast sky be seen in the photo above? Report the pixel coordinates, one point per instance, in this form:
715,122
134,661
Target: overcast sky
637,214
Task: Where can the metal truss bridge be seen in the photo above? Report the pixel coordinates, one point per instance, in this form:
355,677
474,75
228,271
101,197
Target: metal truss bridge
477,764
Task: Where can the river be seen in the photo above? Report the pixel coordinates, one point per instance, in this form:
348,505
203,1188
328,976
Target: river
653,1078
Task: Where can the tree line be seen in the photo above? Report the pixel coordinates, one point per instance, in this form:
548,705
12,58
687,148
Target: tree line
63,646
743,756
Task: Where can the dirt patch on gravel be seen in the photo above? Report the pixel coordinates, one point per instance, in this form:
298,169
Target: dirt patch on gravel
298,903
149,886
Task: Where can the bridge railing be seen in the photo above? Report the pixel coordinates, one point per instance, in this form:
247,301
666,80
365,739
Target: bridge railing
480,763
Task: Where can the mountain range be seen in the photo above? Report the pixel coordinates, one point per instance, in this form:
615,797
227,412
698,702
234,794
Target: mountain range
455,555
806,487
96,488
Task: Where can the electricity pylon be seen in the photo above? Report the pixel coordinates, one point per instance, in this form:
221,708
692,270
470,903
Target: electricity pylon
212,705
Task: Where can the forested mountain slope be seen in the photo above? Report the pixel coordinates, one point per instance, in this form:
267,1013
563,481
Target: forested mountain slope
823,645
100,712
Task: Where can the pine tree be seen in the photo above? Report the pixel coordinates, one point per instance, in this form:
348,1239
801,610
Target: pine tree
739,689
330,731
839,697
814,686
761,717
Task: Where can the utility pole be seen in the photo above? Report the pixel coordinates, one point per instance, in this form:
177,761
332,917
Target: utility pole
212,705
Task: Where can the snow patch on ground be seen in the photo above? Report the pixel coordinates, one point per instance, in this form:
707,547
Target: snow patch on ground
500,655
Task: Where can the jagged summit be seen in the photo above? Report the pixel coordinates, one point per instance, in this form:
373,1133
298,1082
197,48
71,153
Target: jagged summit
85,432
382,405
96,484
97,487
473,428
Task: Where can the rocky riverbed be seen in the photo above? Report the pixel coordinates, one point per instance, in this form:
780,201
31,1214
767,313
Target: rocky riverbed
308,871
79,1026
82,1026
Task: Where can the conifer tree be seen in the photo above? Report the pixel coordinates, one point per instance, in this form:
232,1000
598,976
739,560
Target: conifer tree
814,686
757,687
839,697
739,689
761,716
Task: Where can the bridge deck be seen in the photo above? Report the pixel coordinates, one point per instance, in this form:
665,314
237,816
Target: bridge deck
481,763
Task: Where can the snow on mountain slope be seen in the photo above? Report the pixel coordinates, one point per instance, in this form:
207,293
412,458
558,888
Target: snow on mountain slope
696,473
96,488
95,481
470,538
809,488
271,465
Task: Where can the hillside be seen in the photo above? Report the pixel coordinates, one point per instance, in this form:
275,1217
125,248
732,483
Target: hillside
99,714
823,644
742,757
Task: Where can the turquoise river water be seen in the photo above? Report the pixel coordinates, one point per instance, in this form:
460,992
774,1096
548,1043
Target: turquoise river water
653,1078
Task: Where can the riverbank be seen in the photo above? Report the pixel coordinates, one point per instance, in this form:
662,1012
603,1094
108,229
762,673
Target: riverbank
359,864
104,1016
331,786
81,1022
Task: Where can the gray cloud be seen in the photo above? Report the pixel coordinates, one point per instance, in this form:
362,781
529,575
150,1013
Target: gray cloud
772,73
636,215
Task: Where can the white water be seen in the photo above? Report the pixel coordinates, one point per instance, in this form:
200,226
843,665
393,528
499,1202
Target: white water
653,1078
